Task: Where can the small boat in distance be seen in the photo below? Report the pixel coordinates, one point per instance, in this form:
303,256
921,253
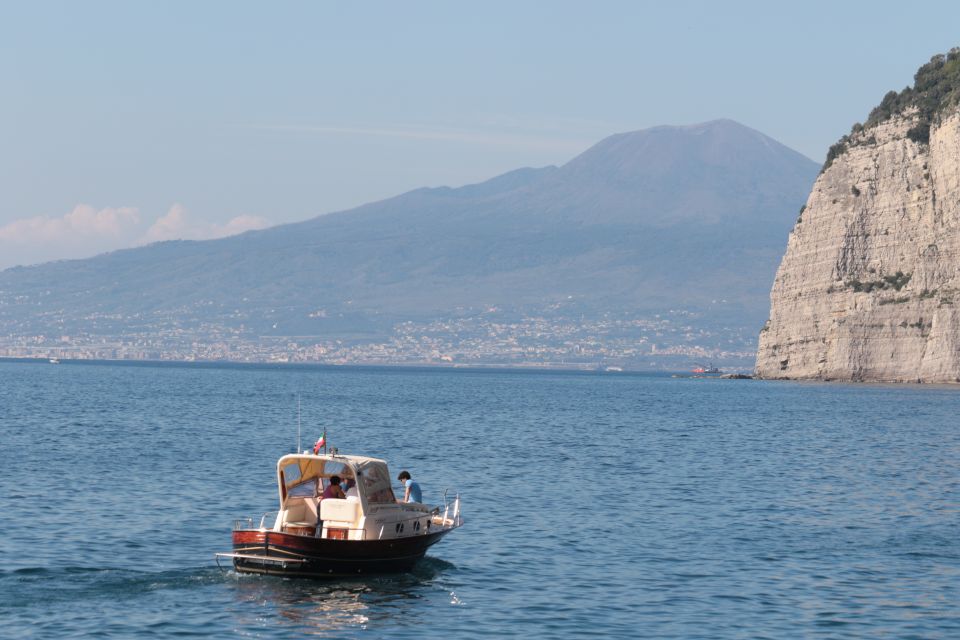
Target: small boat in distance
709,369
369,531
54,360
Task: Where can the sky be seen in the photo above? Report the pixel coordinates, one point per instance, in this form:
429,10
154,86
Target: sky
124,123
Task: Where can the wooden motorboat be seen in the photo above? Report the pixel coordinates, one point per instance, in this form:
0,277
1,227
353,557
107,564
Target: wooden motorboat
368,531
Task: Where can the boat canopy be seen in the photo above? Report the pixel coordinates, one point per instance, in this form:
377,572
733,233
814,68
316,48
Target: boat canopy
371,474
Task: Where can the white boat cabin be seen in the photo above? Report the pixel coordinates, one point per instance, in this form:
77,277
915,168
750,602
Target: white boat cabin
369,512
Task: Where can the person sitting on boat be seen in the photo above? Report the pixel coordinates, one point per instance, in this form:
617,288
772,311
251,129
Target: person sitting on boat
412,492
351,488
333,489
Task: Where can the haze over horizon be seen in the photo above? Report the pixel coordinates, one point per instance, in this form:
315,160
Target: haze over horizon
124,124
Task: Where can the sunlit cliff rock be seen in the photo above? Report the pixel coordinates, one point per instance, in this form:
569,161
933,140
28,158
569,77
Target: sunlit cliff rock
869,287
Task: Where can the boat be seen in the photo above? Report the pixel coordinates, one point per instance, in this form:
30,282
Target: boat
54,360
366,532
710,369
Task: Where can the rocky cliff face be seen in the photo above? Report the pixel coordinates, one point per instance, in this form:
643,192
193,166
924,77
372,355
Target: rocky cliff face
869,288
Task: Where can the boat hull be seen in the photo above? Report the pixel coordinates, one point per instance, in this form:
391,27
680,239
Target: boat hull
279,553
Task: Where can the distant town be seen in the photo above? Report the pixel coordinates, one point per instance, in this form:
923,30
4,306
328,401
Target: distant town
674,340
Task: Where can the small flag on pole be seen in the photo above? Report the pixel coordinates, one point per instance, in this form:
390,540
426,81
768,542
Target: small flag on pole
321,443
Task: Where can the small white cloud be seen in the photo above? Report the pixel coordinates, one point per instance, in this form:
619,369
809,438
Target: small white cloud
86,231
170,226
82,232
82,222
113,222
176,225
239,225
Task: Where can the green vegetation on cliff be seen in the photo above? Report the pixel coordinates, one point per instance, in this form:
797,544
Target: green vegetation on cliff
936,88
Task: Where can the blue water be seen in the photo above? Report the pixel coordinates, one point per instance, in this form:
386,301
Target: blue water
608,505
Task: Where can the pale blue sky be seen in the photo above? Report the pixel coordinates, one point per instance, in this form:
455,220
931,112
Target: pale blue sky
219,116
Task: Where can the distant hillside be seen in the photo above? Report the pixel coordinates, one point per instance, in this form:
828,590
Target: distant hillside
646,221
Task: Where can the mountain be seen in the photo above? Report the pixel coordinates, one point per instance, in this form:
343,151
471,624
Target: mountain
869,286
641,223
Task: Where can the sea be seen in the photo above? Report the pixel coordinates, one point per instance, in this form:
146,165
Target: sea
595,504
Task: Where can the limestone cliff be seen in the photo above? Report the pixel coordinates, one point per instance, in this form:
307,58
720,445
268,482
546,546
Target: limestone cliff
869,288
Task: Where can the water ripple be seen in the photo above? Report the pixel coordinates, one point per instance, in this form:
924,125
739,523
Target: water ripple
616,506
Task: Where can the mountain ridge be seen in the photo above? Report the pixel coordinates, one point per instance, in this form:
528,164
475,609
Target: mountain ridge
606,231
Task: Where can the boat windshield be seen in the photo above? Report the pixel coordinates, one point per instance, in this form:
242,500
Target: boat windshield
376,483
307,489
305,476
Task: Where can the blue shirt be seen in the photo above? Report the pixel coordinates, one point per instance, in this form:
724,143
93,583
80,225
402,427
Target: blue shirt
415,493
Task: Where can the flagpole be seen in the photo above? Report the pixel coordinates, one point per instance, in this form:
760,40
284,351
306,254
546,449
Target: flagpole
298,423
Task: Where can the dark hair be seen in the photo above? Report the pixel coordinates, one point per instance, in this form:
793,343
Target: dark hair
334,479
404,475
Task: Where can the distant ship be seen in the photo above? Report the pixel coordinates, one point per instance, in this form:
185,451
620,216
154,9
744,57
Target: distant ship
708,369
54,360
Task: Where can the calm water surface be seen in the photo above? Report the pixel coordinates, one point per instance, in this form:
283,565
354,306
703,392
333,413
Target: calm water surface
613,505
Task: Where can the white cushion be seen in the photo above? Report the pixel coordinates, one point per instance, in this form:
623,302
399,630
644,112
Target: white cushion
338,509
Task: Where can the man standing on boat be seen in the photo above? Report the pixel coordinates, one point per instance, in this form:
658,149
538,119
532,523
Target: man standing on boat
412,493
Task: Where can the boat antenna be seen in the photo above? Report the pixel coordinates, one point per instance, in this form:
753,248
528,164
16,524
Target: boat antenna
298,422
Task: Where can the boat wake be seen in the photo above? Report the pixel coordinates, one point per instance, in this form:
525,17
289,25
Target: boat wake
430,568
27,585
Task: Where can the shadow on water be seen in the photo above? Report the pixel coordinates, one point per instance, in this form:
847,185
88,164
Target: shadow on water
320,606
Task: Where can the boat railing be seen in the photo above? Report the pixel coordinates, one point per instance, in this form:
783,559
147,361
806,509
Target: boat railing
266,522
451,511
242,523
